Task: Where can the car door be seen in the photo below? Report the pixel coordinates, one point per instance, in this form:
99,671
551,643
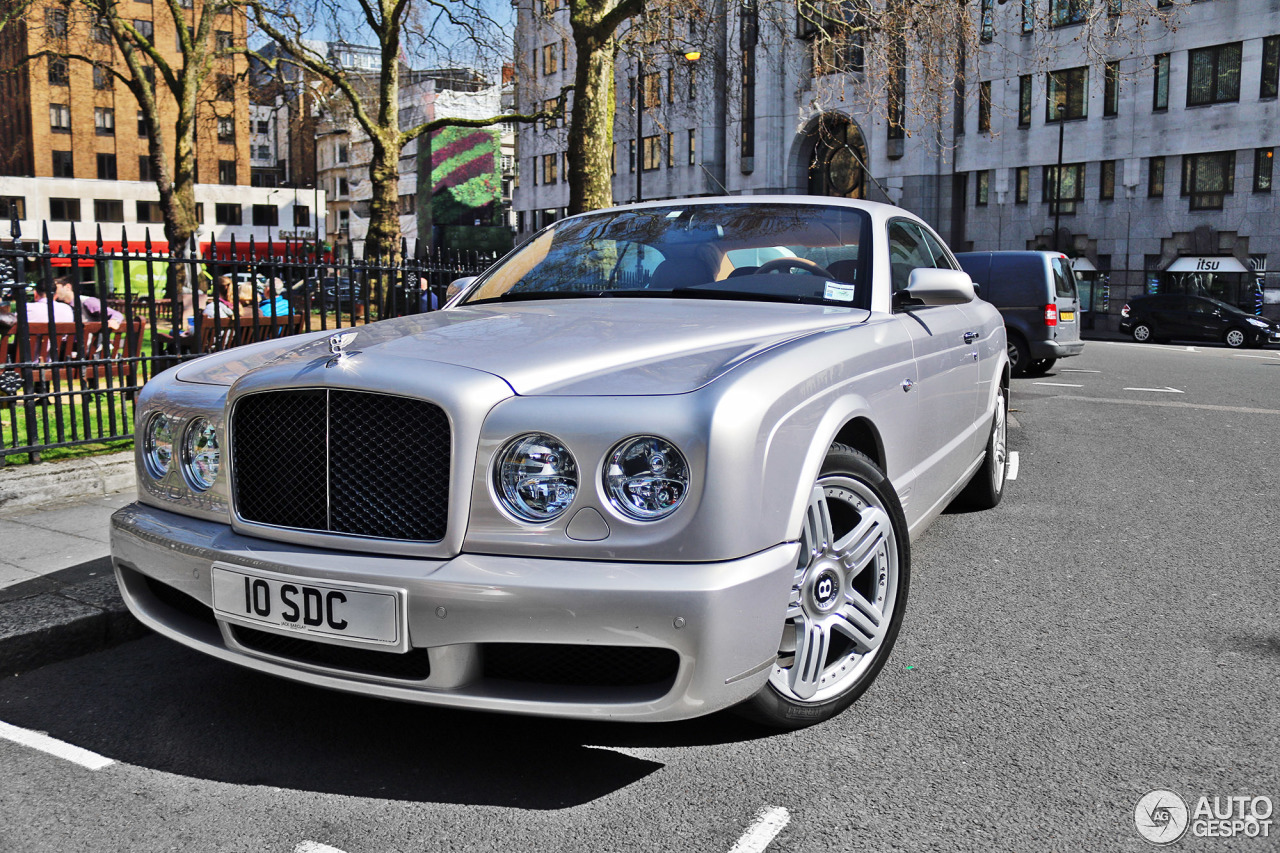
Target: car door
1204,321
946,352
1171,318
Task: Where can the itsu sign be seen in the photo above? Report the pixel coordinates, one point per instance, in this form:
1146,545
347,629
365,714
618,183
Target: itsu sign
1207,264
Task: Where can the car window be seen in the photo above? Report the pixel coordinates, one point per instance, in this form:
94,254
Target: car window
941,259
1199,306
1064,279
907,251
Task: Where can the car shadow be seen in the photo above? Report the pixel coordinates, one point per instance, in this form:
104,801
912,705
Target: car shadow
155,704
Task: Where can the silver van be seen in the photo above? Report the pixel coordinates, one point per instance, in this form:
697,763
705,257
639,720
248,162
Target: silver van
1036,294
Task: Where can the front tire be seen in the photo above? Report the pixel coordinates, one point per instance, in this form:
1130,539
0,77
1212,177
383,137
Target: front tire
848,596
1235,338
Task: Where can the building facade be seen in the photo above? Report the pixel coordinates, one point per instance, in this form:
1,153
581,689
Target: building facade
1168,132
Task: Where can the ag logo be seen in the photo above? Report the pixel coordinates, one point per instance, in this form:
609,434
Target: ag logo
1161,817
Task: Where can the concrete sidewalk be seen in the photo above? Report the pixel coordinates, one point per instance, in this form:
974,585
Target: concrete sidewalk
58,596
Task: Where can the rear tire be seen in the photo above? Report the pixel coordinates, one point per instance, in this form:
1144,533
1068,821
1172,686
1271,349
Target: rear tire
1019,354
1040,366
987,486
847,600
1142,333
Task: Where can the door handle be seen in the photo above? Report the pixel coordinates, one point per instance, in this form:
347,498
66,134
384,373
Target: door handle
970,337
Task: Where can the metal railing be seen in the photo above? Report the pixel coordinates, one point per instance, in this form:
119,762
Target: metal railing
83,329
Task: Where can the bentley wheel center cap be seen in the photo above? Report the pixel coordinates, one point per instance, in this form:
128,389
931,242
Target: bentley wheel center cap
825,591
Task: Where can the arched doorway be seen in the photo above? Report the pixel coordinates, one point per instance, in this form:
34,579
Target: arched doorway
837,166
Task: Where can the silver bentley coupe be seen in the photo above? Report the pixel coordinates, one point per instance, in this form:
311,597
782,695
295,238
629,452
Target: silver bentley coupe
661,460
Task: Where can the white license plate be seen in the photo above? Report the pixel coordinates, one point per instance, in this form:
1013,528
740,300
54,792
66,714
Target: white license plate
362,614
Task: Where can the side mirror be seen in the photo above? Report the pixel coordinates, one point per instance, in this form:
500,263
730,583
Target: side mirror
928,286
457,286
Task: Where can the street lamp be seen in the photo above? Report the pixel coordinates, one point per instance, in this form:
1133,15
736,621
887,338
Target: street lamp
1057,189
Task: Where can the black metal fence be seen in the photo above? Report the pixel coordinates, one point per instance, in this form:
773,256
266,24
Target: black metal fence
82,330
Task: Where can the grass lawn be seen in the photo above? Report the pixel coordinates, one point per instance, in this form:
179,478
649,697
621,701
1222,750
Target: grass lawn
86,415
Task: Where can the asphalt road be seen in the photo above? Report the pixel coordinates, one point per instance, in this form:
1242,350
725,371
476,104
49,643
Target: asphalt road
1110,629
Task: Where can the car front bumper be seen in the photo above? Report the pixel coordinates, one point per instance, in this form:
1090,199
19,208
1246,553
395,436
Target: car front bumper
519,635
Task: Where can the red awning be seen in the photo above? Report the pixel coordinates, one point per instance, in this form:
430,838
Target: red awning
111,247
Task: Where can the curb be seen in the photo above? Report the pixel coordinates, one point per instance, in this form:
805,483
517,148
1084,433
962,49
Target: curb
31,486
63,615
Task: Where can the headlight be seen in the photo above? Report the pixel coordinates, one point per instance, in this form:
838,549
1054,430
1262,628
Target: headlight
157,445
200,456
1261,324
646,477
536,477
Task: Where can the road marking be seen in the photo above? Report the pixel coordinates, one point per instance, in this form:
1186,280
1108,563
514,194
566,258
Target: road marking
1078,370
1165,390
1168,405
315,847
54,747
1192,349
768,823
1057,384
1011,467
1264,357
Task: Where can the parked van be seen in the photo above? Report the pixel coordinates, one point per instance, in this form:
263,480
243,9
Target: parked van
1036,294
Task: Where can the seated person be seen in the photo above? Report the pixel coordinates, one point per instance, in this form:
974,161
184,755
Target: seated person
38,311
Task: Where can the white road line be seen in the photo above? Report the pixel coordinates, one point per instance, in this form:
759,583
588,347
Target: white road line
1264,357
1078,370
769,821
1165,390
1011,467
1192,349
315,847
1058,384
54,747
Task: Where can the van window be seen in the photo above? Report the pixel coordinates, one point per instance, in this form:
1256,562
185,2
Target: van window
1064,279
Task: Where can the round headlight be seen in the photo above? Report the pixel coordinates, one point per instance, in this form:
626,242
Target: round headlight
157,445
200,456
536,477
646,477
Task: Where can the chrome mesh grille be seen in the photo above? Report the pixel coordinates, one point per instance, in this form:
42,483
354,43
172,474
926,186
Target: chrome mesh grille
342,462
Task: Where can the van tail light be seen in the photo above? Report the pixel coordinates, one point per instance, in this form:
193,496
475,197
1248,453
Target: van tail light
1051,315
1124,312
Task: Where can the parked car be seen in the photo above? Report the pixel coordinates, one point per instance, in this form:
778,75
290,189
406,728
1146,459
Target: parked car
1037,296
566,497
1170,316
341,293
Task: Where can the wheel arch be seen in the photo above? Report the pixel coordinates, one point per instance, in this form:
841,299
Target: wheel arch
861,434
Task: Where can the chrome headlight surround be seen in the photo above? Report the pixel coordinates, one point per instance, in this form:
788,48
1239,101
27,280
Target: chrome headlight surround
157,445
535,477
646,477
201,456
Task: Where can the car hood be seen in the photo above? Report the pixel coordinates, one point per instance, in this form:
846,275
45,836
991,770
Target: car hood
628,347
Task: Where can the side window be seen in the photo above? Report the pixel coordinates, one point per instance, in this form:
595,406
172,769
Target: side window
941,259
1064,281
907,251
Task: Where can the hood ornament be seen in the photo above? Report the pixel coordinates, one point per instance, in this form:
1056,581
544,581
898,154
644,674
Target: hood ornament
338,347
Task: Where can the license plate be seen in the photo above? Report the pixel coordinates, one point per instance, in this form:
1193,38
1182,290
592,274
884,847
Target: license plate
1067,316
359,614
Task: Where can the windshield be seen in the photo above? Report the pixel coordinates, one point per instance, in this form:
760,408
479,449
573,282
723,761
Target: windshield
807,253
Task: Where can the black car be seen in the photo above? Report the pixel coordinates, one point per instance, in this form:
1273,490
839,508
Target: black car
1170,316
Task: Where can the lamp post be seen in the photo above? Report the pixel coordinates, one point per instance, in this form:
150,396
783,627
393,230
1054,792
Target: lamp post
1057,188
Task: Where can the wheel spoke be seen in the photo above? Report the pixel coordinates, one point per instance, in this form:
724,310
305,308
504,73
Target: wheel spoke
861,621
818,522
860,546
813,639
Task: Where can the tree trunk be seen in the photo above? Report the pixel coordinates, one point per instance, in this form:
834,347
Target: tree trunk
383,239
591,125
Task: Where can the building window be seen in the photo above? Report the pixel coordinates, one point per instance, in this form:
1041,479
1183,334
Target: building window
55,22
1111,89
1068,88
550,62
145,29
650,153
144,168
108,210
226,87
344,222
344,188
200,212
1107,184
12,207
897,99
343,154
984,107
226,129
149,211
104,121
837,37
1024,101
550,168
58,75
227,172
106,167
988,22
1063,12
1155,177
1028,15
223,41
63,164
101,32
1213,75
266,215
671,150
1068,192
551,107
102,78
142,125
652,89
693,148
631,154
1270,86
226,214
264,125
301,216
1160,93
984,187
1207,178
1021,184
59,118
1262,170
64,209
